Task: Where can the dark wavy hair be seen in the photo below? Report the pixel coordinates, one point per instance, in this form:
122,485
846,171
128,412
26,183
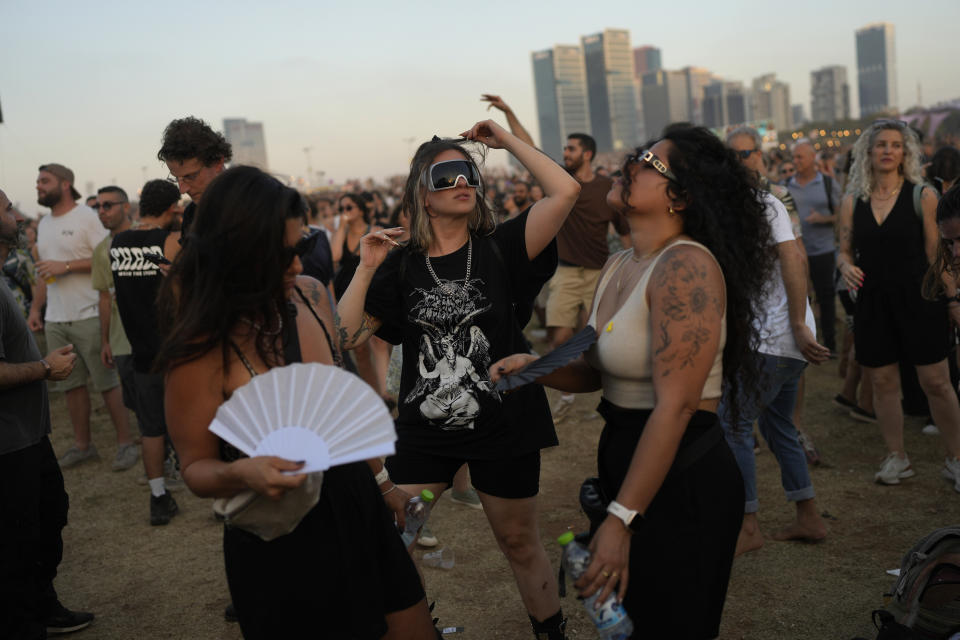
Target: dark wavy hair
944,167
191,137
482,220
948,208
359,202
725,213
231,269
156,197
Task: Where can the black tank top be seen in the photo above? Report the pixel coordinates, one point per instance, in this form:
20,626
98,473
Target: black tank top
892,253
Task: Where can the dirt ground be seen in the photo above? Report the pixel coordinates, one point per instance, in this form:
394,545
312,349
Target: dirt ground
168,582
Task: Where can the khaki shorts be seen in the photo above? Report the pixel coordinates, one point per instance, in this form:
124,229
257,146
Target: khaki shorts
84,335
570,289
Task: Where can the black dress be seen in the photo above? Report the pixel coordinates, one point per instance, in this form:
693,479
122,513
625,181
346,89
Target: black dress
337,574
894,323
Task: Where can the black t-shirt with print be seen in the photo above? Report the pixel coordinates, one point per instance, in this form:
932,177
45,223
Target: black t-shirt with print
136,281
447,405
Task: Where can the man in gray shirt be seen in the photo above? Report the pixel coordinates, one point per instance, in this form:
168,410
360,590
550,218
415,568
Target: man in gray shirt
818,198
33,502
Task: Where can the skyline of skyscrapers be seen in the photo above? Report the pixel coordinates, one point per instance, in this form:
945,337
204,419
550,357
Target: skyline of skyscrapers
246,138
771,101
611,89
876,68
829,94
561,94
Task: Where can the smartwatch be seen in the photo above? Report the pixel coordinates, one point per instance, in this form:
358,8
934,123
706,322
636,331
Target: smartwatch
632,520
47,369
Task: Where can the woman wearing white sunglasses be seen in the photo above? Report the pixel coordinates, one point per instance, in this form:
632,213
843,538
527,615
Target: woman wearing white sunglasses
456,298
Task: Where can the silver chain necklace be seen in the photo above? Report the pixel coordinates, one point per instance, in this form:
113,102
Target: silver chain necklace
451,287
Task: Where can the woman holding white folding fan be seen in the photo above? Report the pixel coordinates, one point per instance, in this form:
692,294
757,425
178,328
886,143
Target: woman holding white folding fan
236,307
456,298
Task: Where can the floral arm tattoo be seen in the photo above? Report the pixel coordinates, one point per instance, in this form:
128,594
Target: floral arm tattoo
368,326
690,307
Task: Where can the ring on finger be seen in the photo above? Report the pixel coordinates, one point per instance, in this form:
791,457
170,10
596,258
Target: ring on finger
614,574
605,574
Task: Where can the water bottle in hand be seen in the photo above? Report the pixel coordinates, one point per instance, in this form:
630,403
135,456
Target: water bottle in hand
611,619
416,512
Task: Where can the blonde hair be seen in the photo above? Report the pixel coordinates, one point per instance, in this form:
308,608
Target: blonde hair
482,219
862,180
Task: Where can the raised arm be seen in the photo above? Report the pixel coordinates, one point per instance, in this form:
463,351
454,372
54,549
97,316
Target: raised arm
687,302
513,122
354,325
560,190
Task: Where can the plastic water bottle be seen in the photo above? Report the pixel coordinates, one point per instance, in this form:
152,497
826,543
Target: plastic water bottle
417,510
440,559
611,620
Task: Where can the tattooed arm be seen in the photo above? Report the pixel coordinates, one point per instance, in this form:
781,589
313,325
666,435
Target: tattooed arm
687,302
852,274
354,326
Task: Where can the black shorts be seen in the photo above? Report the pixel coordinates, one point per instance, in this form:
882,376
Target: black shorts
896,324
335,576
514,477
150,413
124,365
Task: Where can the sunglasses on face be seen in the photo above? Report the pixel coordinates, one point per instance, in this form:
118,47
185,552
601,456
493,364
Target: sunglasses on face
303,247
788,170
106,206
445,175
649,158
745,153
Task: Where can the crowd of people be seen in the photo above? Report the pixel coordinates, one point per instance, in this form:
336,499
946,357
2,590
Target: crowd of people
709,268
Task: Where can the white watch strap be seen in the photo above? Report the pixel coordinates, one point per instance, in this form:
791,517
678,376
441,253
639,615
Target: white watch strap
382,476
618,510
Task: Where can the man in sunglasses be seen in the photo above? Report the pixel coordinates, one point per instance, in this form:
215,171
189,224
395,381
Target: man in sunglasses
137,279
114,211
195,154
65,241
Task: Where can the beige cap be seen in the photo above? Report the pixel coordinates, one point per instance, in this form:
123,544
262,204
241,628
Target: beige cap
64,174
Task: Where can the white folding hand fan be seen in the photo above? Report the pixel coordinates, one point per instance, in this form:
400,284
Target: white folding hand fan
313,412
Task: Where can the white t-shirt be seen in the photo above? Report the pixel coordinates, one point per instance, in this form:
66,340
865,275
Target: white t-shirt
776,336
71,236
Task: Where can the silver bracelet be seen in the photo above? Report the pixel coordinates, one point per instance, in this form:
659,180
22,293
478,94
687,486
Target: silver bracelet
388,490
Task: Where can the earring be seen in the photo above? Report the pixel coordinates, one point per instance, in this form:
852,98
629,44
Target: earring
671,212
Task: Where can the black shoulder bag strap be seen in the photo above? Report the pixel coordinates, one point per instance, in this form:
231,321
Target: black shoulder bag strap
828,187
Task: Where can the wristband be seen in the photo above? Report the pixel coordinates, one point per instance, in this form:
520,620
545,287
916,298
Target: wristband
47,369
382,476
388,490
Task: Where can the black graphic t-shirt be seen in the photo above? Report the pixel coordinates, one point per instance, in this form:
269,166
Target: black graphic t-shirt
137,281
451,332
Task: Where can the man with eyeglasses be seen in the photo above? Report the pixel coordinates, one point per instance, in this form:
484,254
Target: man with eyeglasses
115,353
787,344
65,242
137,276
748,145
195,154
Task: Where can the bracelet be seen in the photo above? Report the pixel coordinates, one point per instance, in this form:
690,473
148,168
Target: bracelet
388,490
382,476
68,266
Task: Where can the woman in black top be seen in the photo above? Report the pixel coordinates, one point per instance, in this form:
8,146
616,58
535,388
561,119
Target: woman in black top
456,298
886,246
232,318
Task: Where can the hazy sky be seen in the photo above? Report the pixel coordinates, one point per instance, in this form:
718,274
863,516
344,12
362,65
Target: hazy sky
92,84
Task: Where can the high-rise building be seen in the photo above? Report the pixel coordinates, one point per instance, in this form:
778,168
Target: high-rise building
247,141
611,89
799,115
697,79
725,104
561,91
829,94
876,68
665,100
646,59
771,101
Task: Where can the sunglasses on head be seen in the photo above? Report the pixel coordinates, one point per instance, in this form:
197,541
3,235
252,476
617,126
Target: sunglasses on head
891,122
445,175
303,247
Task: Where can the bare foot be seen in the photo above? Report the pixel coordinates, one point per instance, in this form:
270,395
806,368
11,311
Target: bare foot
803,531
750,539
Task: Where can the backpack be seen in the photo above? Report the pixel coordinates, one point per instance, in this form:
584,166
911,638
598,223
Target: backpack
924,602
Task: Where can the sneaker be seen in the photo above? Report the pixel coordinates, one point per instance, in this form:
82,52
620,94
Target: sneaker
427,539
162,509
562,408
843,403
62,620
809,449
468,498
951,471
894,469
930,430
861,415
127,456
75,456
